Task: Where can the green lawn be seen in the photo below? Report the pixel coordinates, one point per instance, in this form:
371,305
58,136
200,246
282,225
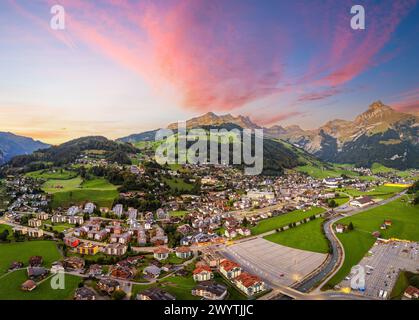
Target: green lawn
321,171
284,220
10,288
178,184
76,191
181,288
54,186
22,251
180,213
308,236
58,174
380,192
405,226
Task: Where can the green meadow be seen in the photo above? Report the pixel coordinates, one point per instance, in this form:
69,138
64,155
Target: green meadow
284,220
405,224
308,236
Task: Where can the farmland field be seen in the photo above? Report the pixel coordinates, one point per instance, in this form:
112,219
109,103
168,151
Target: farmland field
178,184
59,174
285,219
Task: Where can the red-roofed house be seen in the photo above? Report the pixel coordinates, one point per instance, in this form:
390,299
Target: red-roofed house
249,284
411,292
202,273
230,269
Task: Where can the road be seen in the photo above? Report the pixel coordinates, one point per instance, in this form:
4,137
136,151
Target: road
337,256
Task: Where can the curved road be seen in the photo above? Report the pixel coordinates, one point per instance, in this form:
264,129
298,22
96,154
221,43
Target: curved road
337,257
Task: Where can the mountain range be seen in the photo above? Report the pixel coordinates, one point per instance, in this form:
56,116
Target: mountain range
380,134
12,145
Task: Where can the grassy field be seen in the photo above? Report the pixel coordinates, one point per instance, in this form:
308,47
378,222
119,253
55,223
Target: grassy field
284,220
59,174
405,219
62,185
321,171
76,191
404,280
181,288
180,213
308,236
179,184
10,288
380,192
22,251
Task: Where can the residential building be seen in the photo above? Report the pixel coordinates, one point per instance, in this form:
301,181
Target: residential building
35,233
155,294
108,285
42,216
89,208
116,249
118,210
34,223
203,273
161,253
72,242
87,249
72,211
84,293
28,285
362,202
183,252
75,220
249,284
210,290
57,218
230,269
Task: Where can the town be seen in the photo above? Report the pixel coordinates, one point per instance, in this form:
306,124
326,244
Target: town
185,232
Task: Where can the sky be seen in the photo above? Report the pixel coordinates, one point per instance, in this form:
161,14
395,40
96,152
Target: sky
122,66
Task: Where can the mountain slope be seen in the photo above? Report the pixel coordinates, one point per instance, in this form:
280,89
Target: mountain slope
381,134
71,150
12,145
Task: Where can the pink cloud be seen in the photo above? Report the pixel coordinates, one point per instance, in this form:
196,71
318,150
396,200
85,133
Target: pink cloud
269,118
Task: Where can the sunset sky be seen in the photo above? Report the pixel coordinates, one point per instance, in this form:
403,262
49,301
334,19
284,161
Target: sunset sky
123,67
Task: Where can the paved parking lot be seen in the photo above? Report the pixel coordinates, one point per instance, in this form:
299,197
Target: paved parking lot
274,263
383,264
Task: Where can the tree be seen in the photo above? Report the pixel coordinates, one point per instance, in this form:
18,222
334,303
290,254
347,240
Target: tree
333,203
350,226
118,295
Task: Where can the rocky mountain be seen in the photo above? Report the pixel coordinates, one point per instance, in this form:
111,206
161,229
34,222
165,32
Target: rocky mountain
144,136
380,134
12,145
211,119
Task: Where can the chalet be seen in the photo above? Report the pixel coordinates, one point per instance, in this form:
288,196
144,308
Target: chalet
95,270
162,214
28,285
230,269
210,290
213,259
37,273
376,234
73,263
183,252
100,235
122,272
84,293
340,228
244,232
249,284
155,294
152,271
16,265
108,285
202,273
161,253
35,261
